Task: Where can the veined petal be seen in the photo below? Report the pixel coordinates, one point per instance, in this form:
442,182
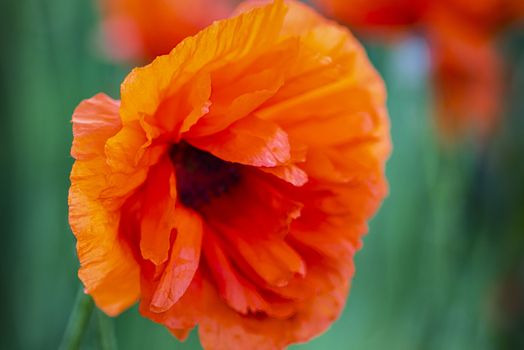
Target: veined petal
94,121
250,141
183,262
158,212
289,173
221,328
240,88
273,260
182,316
107,267
256,207
236,291
145,88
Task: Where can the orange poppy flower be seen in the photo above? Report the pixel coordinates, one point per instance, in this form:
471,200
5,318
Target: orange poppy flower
142,29
231,185
461,34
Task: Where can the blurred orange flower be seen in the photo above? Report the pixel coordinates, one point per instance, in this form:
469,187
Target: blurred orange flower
232,184
140,30
377,15
467,69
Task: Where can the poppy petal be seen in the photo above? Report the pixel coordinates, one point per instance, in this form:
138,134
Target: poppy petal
182,316
274,261
107,267
255,207
183,262
158,212
236,291
94,121
289,173
250,141
240,88
221,328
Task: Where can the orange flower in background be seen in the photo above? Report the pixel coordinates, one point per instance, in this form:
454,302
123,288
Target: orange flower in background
142,29
231,185
467,69
377,15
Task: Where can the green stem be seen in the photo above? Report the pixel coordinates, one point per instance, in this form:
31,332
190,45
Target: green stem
106,332
78,322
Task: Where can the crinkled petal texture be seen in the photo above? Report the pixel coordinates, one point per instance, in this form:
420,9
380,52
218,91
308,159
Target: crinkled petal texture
291,103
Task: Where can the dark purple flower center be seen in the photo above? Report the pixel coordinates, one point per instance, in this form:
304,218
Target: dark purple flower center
200,176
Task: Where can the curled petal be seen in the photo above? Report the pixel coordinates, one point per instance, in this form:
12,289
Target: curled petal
250,141
273,260
107,268
158,212
222,328
182,316
232,288
94,121
183,262
289,173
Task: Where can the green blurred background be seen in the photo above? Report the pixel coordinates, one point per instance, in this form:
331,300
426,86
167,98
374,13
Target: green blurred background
442,267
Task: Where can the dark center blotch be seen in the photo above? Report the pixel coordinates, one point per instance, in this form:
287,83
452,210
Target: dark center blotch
200,176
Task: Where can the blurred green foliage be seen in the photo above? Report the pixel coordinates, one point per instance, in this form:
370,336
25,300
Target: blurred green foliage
442,267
